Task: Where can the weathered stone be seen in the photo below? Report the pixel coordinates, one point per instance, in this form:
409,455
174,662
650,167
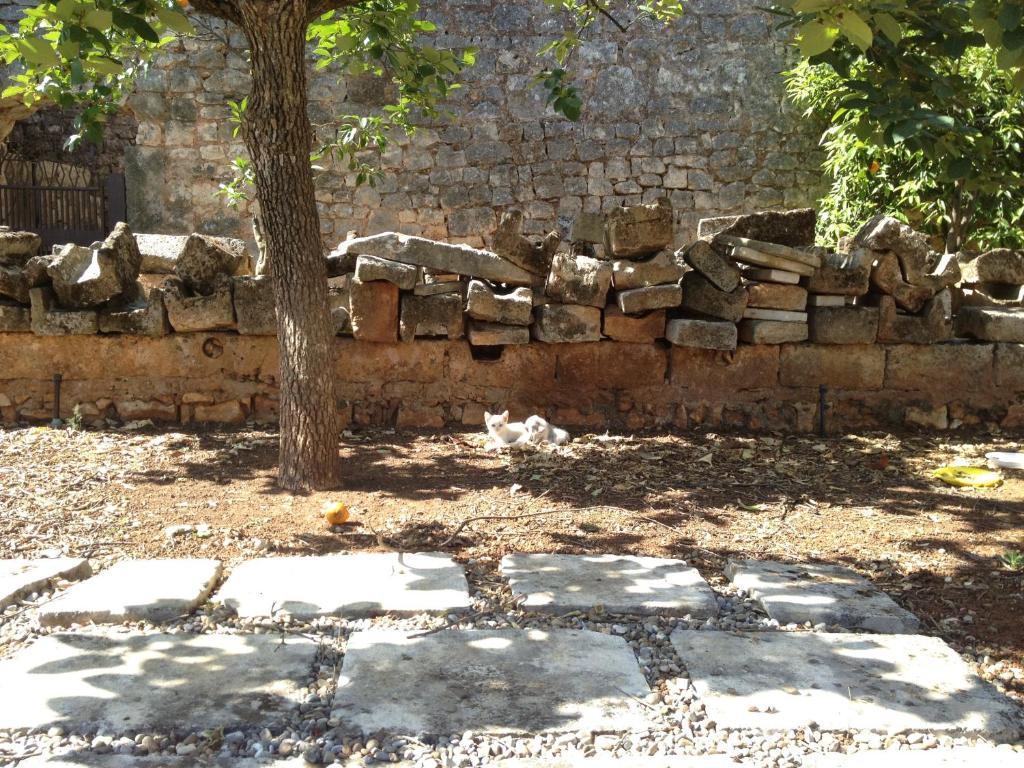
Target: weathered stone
205,261
50,320
226,412
255,308
776,296
990,324
484,303
483,334
438,256
374,311
159,252
338,296
912,250
887,277
820,594
941,368
997,266
134,590
643,329
826,300
616,583
663,267
14,318
520,681
87,277
992,295
793,228
14,284
702,334
153,410
852,368
350,585
957,757
341,262
771,332
753,256
639,230
433,289
140,312
944,273
776,681
934,417
843,274
211,312
116,682
777,315
439,315
1009,366
639,300
510,244
843,325
565,323
18,247
931,326
370,268
578,279
714,265
21,577
587,228
769,275
701,295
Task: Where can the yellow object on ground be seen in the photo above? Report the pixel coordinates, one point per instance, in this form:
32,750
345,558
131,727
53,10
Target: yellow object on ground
973,477
335,513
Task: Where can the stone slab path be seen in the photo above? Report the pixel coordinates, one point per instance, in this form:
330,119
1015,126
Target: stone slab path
135,590
355,585
702,761
961,757
620,584
885,683
131,681
19,577
820,594
502,681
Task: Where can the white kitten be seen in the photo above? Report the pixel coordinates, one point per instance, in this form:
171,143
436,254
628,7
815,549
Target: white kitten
540,431
502,433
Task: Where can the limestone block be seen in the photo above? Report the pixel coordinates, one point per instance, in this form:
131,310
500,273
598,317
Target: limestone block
227,412
205,260
141,313
138,410
825,300
374,311
780,315
439,315
20,576
577,279
769,275
340,262
991,324
510,244
484,303
49,320
338,299
18,247
912,250
433,289
369,268
198,313
483,334
14,284
159,252
853,367
87,277
887,277
587,228
935,417
639,300
566,323
931,326
776,296
714,265
641,329
663,267
794,228
996,266
772,332
843,325
991,295
701,295
843,274
14,318
701,334
255,310
639,230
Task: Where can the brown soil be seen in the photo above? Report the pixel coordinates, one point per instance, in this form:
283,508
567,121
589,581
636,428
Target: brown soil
866,501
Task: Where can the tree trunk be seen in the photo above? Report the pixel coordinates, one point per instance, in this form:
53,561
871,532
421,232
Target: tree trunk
279,138
955,233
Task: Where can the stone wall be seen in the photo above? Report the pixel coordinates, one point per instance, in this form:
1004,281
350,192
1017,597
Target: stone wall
695,112
222,377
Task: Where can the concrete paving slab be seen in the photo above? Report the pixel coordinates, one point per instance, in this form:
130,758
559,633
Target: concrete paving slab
620,583
122,682
135,590
793,594
498,682
885,683
958,757
20,576
352,585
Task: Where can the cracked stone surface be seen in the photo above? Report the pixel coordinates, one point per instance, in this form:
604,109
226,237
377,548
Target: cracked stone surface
20,576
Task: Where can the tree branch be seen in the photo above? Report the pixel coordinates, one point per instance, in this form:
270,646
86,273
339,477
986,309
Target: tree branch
601,9
221,9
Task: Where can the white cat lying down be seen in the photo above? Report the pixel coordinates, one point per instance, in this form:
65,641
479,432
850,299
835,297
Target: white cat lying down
535,430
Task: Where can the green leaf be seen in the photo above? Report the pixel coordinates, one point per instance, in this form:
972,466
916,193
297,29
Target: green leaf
856,29
906,130
37,51
1011,15
815,38
98,18
174,21
889,26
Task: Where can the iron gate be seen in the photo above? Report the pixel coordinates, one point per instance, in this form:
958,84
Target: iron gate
60,202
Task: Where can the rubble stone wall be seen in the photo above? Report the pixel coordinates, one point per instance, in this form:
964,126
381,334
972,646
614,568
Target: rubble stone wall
695,112
228,378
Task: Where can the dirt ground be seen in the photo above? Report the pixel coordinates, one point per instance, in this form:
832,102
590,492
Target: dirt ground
867,501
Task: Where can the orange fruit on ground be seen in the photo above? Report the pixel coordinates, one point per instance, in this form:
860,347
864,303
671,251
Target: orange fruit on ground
335,513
